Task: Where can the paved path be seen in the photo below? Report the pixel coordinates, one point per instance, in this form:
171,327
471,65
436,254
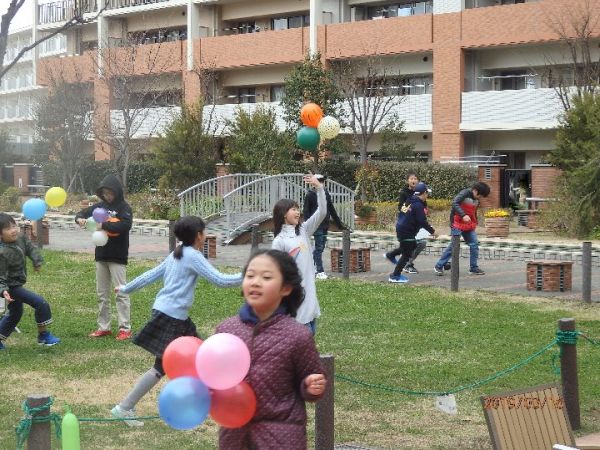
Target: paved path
501,276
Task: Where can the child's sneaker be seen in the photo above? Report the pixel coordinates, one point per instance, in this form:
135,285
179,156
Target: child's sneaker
48,339
476,271
410,269
123,414
439,271
448,266
391,259
123,335
398,279
321,276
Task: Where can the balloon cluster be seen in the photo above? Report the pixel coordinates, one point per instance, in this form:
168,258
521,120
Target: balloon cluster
206,377
316,127
35,208
99,237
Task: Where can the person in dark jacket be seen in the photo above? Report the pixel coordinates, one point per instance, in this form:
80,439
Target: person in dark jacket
405,193
14,251
463,221
111,259
285,368
411,219
310,207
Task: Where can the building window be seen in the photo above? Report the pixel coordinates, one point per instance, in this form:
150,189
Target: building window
284,23
246,95
399,10
277,92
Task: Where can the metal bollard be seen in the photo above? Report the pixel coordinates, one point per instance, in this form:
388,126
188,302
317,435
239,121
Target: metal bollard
455,270
324,410
586,272
568,375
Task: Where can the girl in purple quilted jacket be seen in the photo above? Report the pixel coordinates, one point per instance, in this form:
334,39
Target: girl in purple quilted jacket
285,369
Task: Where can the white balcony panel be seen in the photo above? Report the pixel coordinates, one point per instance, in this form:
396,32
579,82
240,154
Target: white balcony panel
414,110
148,122
527,109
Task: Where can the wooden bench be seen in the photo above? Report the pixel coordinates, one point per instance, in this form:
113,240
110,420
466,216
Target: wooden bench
532,419
549,276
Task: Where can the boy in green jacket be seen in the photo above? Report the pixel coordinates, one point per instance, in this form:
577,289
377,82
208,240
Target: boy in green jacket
14,248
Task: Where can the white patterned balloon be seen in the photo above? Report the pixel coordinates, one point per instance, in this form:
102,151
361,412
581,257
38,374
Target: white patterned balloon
100,238
329,127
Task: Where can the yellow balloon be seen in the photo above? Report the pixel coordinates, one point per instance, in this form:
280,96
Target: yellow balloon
56,196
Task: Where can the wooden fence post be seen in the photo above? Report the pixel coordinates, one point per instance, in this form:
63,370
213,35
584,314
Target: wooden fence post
568,375
346,253
586,272
172,239
254,237
39,435
324,410
455,269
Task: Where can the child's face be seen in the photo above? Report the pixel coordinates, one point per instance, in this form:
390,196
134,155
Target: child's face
10,233
263,286
292,216
475,194
412,181
108,195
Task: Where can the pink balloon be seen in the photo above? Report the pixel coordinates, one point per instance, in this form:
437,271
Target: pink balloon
222,361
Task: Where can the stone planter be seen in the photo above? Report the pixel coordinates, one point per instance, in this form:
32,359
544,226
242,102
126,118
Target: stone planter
496,226
370,219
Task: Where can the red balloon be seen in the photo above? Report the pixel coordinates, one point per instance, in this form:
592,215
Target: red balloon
311,114
233,407
179,358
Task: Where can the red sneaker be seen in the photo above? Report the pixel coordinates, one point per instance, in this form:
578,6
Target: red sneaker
100,333
123,335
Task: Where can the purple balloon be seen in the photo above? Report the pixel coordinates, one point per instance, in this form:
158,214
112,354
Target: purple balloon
100,215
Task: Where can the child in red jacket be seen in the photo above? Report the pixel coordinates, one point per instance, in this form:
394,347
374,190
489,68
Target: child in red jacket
285,369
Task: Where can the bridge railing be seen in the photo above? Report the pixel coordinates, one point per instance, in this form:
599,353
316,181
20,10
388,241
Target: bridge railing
205,199
254,201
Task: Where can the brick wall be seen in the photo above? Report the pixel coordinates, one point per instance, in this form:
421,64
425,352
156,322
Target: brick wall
448,79
543,180
21,176
549,276
492,176
360,260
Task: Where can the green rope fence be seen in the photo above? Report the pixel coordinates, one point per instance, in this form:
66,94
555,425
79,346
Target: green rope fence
562,337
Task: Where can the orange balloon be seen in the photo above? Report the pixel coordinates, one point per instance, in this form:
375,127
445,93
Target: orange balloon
311,114
113,219
233,407
179,358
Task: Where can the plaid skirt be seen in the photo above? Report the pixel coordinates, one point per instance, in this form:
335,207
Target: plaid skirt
161,330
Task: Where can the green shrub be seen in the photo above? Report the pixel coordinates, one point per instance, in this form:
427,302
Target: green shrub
9,200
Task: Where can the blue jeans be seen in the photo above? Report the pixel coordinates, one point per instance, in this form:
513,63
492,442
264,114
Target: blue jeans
312,326
20,295
470,238
320,241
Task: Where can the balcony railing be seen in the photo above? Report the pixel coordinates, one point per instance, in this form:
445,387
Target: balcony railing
64,10
511,110
116,4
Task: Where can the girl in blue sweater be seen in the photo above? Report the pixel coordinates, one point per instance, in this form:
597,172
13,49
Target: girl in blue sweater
170,312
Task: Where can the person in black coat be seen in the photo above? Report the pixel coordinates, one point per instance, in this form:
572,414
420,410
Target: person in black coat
111,259
310,206
405,193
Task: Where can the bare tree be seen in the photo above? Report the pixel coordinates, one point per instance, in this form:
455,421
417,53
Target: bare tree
64,126
134,74
73,17
370,93
577,30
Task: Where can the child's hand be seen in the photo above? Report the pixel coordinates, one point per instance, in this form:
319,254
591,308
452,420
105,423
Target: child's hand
311,179
7,296
315,383
81,222
117,289
466,219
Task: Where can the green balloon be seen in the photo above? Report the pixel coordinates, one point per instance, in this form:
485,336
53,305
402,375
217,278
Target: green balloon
70,432
90,224
308,138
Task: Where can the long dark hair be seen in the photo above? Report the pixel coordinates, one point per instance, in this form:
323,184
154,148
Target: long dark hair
186,229
6,221
290,275
280,210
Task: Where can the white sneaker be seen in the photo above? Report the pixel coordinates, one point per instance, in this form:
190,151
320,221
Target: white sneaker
123,413
321,276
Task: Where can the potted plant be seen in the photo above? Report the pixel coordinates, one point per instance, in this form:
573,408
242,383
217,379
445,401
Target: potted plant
496,222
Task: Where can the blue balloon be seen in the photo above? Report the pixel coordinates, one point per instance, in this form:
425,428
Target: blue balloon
34,208
184,403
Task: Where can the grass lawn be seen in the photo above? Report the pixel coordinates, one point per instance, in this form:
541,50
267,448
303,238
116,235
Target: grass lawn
416,338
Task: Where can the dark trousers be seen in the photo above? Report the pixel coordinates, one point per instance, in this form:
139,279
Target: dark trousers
320,241
20,295
407,247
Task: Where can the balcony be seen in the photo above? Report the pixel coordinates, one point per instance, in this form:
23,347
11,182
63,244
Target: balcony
380,37
147,123
72,69
117,4
61,11
528,109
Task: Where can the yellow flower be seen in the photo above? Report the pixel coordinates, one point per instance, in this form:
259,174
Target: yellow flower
496,213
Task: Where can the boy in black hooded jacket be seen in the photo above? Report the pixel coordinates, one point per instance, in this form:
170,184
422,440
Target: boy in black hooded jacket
111,259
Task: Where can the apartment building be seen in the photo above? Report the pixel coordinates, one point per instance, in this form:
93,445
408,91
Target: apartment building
18,89
476,74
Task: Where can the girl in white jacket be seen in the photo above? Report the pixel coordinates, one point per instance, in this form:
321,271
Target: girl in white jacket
293,237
